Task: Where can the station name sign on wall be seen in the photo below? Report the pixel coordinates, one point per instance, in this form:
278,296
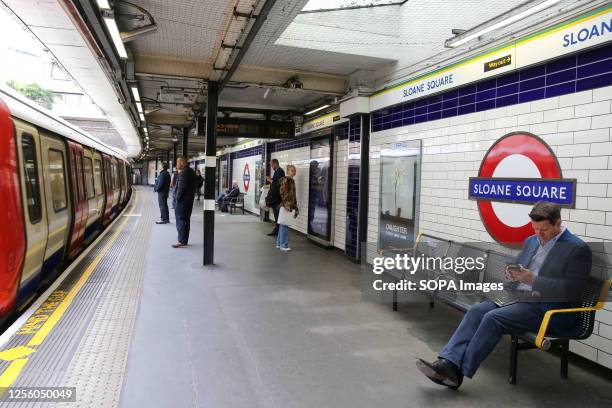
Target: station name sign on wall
561,39
519,170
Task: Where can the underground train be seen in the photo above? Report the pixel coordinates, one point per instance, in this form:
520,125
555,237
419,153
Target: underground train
59,188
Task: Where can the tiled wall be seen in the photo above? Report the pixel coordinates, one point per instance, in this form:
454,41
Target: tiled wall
577,126
579,72
340,181
238,164
300,158
352,195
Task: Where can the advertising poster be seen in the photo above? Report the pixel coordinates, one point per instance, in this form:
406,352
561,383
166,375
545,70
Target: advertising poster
399,171
319,198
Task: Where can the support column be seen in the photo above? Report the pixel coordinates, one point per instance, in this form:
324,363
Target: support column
186,143
168,159
364,187
174,154
209,175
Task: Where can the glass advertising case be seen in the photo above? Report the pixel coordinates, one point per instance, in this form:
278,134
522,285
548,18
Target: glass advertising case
320,191
399,186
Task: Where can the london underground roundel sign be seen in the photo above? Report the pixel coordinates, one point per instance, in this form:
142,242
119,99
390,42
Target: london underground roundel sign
246,177
519,170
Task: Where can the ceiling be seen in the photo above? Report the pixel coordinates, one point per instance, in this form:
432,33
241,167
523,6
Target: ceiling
258,50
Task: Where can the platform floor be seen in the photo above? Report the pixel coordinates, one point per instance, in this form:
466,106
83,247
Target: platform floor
264,328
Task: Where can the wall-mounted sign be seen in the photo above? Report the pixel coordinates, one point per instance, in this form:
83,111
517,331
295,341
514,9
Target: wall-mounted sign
246,177
497,63
519,170
321,122
566,37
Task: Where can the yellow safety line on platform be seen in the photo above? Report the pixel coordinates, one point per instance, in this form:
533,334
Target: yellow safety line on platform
11,373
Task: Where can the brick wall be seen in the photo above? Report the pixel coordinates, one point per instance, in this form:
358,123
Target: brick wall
577,128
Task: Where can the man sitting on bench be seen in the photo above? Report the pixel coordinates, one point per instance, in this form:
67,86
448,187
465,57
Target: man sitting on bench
225,198
553,266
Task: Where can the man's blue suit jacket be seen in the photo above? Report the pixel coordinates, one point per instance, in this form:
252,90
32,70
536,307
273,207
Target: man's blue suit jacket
563,274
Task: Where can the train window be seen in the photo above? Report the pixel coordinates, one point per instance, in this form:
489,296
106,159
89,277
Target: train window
58,183
89,183
115,176
30,171
98,176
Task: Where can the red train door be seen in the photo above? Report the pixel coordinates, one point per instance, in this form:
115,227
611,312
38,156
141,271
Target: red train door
79,198
108,187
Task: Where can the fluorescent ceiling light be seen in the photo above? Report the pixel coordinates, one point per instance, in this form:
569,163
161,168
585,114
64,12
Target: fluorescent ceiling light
145,130
142,118
456,42
317,109
113,30
136,94
103,4
139,107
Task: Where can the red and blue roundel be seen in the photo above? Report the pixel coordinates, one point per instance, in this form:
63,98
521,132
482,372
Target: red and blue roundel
246,177
519,170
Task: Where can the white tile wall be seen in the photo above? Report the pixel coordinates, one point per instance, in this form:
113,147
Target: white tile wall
340,183
300,158
577,127
238,172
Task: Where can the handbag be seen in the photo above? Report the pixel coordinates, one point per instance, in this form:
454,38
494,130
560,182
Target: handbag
286,217
262,198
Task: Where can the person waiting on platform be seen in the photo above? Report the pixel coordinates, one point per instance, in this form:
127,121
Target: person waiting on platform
200,183
185,192
273,198
551,271
225,198
288,210
162,187
173,187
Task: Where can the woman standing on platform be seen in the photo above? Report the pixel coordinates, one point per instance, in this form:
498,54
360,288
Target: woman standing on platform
288,210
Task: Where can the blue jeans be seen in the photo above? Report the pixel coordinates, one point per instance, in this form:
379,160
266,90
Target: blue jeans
282,239
173,197
483,326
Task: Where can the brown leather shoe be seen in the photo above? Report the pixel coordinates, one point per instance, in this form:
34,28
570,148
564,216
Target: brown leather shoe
179,245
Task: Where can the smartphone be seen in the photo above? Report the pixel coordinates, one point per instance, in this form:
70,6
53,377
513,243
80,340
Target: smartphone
513,267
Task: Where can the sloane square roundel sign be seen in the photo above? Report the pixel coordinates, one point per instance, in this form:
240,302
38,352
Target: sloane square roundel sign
519,170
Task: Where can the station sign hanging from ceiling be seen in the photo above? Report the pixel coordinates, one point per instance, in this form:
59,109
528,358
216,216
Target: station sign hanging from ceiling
564,38
519,170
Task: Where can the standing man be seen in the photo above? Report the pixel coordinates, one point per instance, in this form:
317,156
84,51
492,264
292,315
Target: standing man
185,192
274,198
551,272
162,187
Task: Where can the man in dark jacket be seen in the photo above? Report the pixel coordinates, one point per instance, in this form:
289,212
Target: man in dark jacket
185,193
551,273
162,187
274,192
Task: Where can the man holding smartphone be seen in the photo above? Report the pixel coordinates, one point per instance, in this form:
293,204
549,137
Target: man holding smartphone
549,273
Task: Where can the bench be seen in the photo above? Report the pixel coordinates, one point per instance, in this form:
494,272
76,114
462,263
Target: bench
593,297
236,202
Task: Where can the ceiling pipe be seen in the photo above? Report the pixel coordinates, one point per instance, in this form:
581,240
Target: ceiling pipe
138,32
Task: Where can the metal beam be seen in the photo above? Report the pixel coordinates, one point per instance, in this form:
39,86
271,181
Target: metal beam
209,173
244,48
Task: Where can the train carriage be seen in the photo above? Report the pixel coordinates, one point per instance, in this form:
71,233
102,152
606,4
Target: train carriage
59,186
